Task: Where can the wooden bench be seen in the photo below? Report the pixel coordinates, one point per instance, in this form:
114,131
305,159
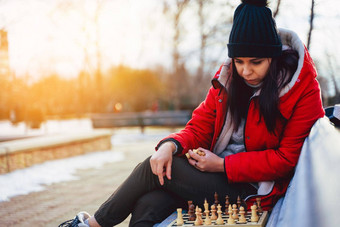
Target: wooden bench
143,119
18,154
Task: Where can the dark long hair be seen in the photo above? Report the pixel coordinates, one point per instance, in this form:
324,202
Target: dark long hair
280,73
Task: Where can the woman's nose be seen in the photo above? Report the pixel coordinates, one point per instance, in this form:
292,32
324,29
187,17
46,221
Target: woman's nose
247,70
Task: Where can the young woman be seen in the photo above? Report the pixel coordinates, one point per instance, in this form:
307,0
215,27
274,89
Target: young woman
251,127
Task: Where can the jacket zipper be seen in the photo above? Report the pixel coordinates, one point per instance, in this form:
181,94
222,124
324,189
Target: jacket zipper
245,123
244,141
245,147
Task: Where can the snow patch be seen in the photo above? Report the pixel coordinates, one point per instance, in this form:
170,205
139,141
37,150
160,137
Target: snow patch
37,177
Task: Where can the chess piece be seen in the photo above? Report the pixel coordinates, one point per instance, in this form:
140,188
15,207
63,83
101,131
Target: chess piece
226,204
230,212
189,203
196,151
238,202
207,220
197,221
213,212
234,209
254,217
242,219
219,220
179,220
206,207
191,212
200,153
216,199
200,216
258,203
244,204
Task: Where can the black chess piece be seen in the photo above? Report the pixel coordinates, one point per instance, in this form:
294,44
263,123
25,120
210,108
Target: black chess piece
226,204
191,212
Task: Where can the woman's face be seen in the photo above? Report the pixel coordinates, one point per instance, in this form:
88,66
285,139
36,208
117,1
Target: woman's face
252,70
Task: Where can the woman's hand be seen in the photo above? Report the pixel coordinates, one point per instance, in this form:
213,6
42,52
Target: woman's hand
161,161
210,162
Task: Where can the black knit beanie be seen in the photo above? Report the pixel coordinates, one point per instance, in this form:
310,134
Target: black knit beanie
254,32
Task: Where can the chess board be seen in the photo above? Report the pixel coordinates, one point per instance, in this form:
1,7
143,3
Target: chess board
263,217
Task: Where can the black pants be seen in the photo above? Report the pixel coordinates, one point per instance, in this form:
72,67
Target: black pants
142,196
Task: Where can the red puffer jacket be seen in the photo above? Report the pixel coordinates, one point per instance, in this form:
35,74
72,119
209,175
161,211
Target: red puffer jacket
269,157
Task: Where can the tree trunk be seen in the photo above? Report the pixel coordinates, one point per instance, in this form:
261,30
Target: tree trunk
177,80
310,24
276,12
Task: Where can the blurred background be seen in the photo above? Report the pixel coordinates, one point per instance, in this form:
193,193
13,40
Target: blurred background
67,59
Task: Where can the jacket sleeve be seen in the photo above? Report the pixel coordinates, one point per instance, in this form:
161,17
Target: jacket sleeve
273,164
199,130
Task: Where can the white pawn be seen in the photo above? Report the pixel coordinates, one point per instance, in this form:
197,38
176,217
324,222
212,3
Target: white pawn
213,212
242,218
254,217
235,216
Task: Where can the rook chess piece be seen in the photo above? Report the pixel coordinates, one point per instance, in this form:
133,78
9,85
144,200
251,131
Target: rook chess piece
191,212
189,203
179,220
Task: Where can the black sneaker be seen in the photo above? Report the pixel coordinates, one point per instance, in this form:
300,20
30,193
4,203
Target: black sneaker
78,221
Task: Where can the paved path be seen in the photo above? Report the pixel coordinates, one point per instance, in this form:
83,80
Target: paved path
61,201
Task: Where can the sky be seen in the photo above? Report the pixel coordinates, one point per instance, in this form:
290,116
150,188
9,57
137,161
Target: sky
51,35
59,36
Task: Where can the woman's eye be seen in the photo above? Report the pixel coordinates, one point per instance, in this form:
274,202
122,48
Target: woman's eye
257,62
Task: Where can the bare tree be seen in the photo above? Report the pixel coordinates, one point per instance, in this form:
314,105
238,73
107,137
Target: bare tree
99,6
203,37
311,18
208,35
91,65
178,77
277,9
98,75
324,89
332,75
